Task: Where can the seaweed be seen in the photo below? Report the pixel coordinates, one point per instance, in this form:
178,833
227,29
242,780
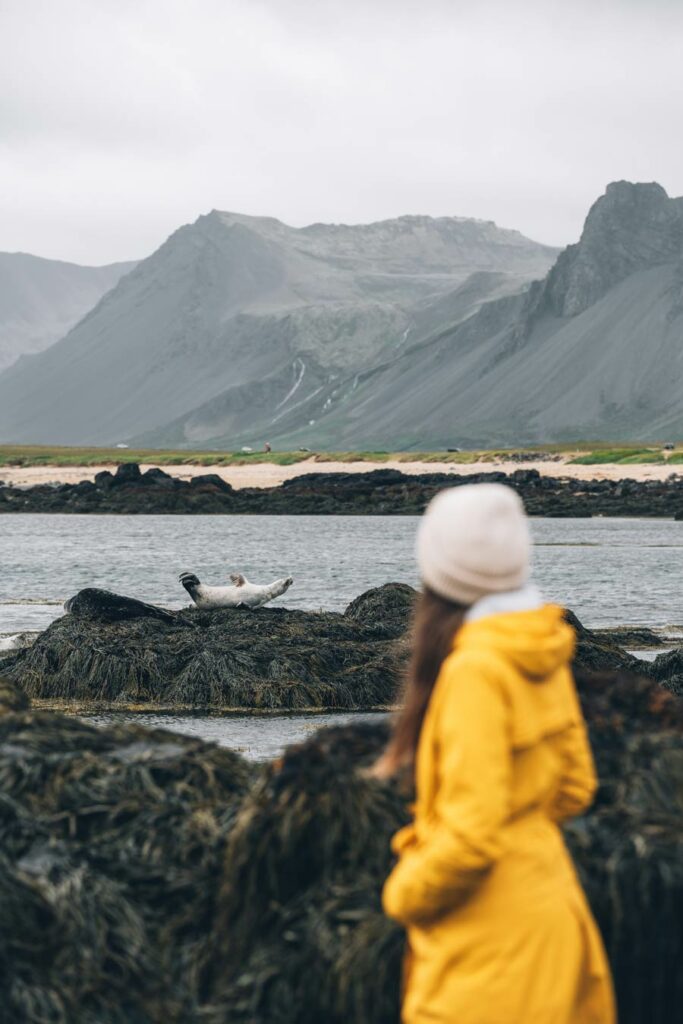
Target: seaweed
115,651
268,659
146,876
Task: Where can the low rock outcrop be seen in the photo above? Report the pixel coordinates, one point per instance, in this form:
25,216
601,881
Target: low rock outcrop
267,659
377,492
115,651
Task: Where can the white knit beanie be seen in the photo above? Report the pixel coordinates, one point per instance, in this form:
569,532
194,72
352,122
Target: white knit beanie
473,541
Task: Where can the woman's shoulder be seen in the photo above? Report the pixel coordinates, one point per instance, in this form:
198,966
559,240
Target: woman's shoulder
475,668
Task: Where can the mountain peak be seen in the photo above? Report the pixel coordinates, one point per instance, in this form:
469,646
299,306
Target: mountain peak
633,226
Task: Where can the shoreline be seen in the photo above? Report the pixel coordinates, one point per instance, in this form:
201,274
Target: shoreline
268,474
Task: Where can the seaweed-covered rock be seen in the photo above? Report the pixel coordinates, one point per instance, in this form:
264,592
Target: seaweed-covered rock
597,652
11,697
269,659
635,637
117,650
105,606
146,876
112,843
391,605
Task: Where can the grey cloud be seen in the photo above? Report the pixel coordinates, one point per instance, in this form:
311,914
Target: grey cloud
120,120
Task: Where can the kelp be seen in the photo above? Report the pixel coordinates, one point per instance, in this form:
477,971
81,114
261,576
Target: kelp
265,659
146,876
111,651
112,846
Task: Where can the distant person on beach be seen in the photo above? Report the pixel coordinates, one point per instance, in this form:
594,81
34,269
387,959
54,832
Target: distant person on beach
499,930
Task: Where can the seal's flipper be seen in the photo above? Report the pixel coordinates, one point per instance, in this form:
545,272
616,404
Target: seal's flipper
238,579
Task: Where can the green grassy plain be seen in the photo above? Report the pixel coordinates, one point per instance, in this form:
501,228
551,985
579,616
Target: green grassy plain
579,453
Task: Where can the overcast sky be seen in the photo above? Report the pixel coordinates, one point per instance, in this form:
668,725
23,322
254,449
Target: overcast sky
122,119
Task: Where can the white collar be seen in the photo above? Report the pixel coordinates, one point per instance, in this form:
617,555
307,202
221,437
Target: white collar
528,598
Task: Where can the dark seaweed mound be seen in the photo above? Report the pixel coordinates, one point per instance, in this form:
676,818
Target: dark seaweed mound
147,877
110,649
112,843
114,650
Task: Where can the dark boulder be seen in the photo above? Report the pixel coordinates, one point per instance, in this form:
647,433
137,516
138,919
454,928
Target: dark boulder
127,473
210,481
114,648
156,477
104,480
390,605
375,492
599,653
104,606
11,697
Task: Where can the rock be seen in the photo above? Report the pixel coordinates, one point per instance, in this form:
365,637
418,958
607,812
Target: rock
104,479
11,697
157,478
112,845
634,637
148,876
668,666
630,228
212,481
380,491
117,649
127,473
113,649
596,652
390,605
104,606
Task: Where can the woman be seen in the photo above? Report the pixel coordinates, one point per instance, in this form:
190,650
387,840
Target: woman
499,930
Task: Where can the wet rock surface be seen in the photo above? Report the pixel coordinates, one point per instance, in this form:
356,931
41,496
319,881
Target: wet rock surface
634,637
377,492
149,877
115,651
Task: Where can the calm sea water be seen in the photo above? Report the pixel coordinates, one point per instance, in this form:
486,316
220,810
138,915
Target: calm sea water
609,571
256,737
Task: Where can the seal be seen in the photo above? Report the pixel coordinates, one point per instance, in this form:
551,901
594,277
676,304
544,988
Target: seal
93,603
241,594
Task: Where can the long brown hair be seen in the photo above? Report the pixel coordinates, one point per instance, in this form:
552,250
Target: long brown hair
435,623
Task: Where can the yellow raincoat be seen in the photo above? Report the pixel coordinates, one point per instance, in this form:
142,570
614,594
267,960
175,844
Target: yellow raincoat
499,930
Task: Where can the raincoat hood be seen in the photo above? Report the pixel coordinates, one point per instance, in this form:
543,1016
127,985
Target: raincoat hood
536,641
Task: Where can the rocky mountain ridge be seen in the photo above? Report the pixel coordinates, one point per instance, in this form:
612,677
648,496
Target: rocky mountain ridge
245,317
410,334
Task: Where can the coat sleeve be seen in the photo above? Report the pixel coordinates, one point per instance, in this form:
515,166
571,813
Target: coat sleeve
578,780
452,852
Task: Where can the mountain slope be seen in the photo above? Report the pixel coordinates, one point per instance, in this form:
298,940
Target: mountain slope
593,351
41,300
235,322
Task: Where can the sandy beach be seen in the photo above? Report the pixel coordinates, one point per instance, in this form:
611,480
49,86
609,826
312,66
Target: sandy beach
271,475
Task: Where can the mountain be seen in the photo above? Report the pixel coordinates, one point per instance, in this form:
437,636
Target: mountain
593,351
40,300
239,326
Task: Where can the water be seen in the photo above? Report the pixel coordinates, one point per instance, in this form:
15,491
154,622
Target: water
257,737
609,571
